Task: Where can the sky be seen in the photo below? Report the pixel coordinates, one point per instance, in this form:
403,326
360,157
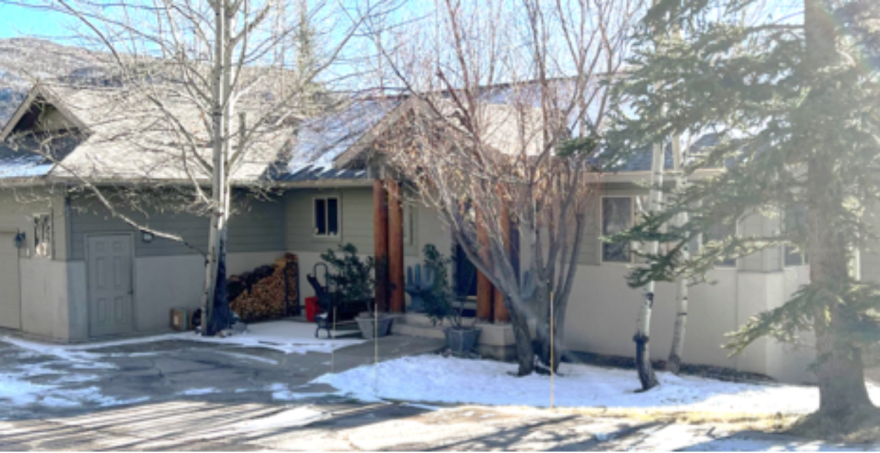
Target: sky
18,21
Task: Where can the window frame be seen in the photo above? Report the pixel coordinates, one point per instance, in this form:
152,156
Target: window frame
720,265
326,199
38,238
602,244
409,223
804,259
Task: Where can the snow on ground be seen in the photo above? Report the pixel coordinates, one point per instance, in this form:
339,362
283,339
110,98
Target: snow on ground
299,416
433,378
16,384
15,388
288,337
282,392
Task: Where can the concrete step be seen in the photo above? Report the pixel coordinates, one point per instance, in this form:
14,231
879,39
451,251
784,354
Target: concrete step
414,319
416,330
422,320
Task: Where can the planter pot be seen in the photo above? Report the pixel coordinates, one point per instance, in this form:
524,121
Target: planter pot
461,341
368,326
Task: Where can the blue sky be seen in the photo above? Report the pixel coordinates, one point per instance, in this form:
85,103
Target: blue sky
17,21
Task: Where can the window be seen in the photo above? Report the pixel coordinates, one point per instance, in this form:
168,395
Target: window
326,216
717,233
409,223
617,216
794,220
43,235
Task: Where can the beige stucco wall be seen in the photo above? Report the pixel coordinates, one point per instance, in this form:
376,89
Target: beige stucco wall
44,298
603,309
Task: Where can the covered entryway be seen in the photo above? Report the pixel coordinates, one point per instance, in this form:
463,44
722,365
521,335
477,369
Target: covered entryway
10,294
109,270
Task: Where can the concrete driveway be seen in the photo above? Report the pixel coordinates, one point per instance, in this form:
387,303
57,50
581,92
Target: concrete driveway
184,395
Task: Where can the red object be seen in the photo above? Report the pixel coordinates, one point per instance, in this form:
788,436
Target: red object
312,308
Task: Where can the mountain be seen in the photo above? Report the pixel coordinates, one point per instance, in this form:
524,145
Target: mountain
26,60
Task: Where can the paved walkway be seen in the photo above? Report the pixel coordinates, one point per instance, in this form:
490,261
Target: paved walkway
184,395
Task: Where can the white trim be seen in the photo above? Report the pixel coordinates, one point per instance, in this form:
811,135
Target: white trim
326,198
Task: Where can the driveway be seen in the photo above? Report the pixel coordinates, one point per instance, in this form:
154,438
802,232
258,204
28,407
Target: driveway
187,395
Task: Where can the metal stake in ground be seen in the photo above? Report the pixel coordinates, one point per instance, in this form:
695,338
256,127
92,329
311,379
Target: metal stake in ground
376,350
332,349
552,340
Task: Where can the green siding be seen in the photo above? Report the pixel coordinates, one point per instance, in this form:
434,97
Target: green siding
18,207
356,217
256,226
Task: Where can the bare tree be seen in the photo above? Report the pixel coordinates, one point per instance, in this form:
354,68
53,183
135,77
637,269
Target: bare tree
507,110
197,96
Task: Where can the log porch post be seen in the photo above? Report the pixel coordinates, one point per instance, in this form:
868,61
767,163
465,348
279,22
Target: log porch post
500,311
484,286
395,248
380,241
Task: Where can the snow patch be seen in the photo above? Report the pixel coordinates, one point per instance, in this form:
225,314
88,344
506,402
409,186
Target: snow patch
282,392
202,391
288,337
433,378
299,416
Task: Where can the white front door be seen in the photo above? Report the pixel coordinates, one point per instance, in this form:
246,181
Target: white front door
109,268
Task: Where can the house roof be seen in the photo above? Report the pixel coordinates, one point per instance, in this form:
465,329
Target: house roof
115,134
509,129
122,135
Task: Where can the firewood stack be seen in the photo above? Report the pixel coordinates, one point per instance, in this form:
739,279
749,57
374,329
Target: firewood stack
260,295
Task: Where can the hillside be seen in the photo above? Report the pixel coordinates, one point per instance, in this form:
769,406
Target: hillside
25,60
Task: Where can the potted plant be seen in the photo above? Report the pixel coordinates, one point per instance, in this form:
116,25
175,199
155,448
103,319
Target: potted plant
439,305
353,283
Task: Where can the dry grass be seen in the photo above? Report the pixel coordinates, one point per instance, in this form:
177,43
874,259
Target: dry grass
731,421
860,427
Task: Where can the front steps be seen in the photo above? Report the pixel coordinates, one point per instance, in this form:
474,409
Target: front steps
496,340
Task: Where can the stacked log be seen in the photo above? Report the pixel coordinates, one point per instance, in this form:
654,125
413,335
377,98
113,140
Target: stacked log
267,292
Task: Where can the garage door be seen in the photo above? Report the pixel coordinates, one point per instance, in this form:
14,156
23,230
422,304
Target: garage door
10,300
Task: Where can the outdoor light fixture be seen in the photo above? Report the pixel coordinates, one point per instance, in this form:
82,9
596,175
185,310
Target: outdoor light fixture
146,236
18,240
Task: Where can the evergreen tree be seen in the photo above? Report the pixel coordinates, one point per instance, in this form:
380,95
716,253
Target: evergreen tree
795,107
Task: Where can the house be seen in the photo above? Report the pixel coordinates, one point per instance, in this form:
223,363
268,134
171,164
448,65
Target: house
72,271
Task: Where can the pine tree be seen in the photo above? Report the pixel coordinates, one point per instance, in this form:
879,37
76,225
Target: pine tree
795,107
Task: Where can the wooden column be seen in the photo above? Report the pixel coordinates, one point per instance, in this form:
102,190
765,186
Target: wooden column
501,315
395,248
380,241
484,286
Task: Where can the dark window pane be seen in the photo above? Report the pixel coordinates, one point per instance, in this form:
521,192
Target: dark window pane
320,217
616,217
332,216
465,274
718,233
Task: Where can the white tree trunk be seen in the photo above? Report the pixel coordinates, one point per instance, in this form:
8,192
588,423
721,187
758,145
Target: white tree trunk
220,114
673,364
643,328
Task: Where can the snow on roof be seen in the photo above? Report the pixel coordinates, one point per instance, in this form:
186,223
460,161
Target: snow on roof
319,141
